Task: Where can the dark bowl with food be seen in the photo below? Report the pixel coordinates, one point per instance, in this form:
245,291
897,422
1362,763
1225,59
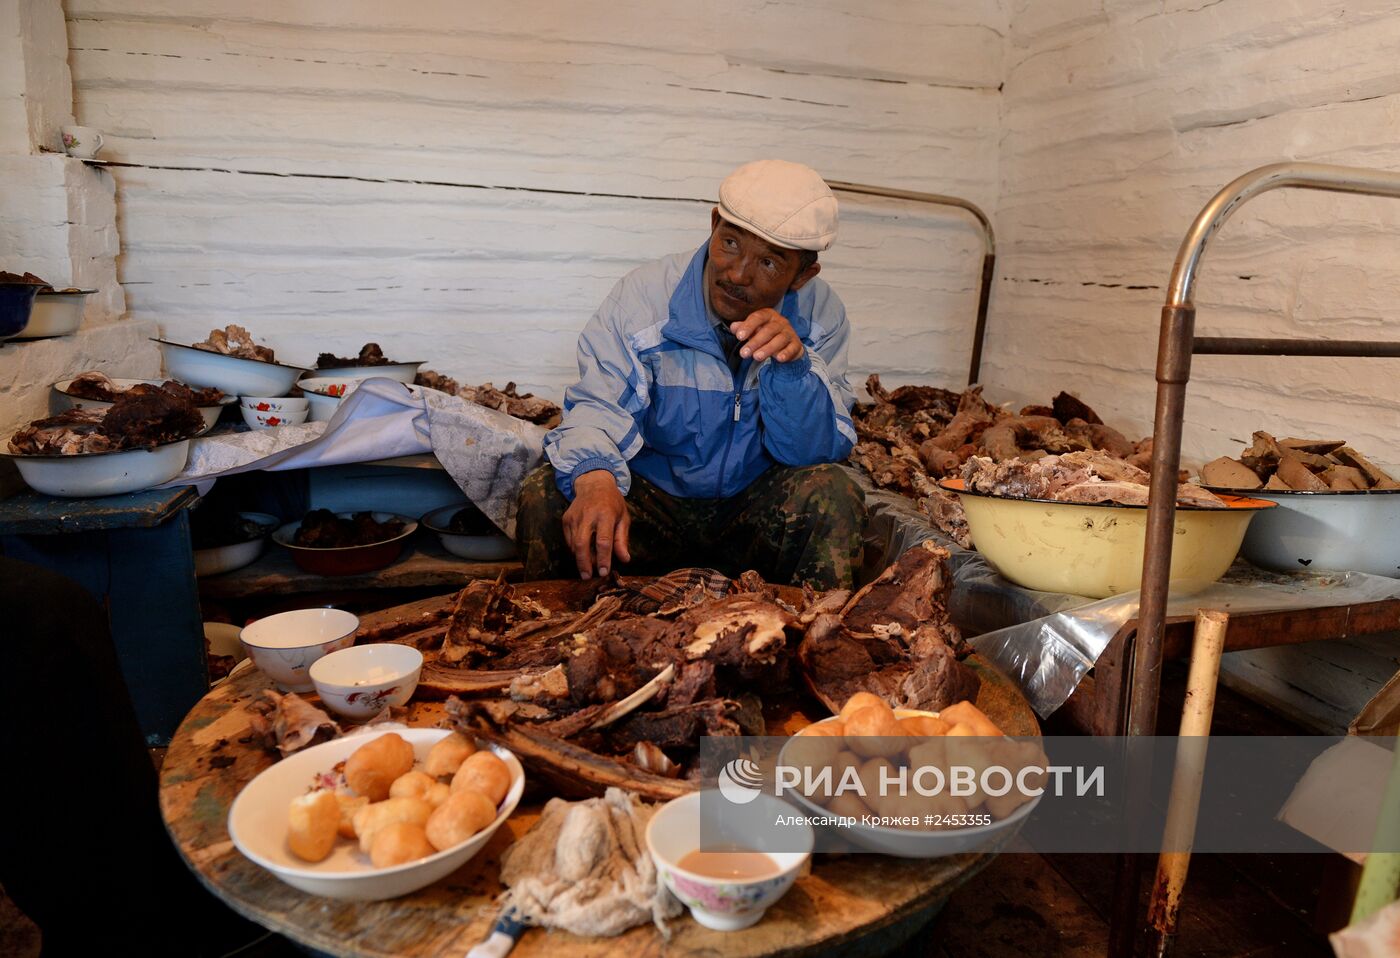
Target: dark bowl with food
465,532
345,543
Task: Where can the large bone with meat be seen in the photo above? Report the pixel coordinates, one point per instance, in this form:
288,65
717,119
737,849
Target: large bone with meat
567,769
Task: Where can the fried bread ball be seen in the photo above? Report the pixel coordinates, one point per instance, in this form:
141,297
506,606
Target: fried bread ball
349,803
485,773
414,784
445,757
859,701
372,818
312,822
459,818
873,731
372,767
399,842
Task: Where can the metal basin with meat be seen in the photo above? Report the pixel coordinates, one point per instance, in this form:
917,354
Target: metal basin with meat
1096,549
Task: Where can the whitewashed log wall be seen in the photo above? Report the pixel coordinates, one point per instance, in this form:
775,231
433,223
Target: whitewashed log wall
1121,119
463,182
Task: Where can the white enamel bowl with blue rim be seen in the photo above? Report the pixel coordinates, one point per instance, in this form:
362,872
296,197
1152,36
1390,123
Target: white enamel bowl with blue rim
286,645
1326,532
257,823
233,374
103,473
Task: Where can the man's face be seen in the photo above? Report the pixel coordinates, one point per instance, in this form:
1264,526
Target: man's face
746,273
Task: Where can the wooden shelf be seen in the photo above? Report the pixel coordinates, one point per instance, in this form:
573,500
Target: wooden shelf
424,563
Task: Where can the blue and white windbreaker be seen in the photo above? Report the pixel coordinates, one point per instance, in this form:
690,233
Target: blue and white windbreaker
656,397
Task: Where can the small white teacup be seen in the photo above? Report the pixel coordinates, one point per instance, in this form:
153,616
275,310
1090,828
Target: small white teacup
82,141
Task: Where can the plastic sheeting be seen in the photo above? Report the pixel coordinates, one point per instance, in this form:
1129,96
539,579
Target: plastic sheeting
1048,641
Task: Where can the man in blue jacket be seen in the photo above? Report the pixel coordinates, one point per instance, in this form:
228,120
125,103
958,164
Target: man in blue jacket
711,407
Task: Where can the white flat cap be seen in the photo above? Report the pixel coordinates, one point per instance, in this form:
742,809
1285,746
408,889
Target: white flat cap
787,204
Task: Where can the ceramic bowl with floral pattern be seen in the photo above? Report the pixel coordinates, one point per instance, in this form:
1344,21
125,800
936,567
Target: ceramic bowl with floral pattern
287,644
726,904
360,682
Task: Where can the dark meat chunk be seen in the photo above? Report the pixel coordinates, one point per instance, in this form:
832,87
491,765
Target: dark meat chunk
936,682
910,592
370,355
145,421
69,433
529,407
693,681
323,529
28,279
471,521
675,727
838,665
1069,407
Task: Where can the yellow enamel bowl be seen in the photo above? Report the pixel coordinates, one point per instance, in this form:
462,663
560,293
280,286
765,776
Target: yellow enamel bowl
1096,549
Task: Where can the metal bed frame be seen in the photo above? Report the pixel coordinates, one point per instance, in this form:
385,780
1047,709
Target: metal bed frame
1177,342
989,256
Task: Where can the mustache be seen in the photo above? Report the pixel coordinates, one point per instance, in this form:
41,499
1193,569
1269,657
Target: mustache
736,292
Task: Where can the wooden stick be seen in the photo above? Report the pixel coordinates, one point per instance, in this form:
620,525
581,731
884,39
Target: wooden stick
1380,876
1184,804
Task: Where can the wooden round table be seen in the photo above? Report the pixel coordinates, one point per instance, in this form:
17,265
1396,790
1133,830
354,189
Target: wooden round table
848,904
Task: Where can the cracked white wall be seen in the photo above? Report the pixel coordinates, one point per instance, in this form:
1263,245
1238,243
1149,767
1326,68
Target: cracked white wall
465,182
1121,119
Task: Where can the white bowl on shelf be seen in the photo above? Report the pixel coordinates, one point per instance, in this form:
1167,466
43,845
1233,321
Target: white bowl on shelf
325,394
66,400
270,419
286,645
257,823
1357,531
219,559
360,682
232,374
403,372
56,313
103,473
489,548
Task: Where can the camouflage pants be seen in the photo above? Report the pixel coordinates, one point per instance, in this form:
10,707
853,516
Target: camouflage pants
792,525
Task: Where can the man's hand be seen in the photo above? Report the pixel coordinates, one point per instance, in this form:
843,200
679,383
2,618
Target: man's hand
598,515
767,333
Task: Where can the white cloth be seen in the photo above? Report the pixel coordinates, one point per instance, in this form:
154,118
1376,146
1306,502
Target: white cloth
486,452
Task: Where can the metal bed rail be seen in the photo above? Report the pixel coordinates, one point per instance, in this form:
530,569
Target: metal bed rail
1177,342
989,255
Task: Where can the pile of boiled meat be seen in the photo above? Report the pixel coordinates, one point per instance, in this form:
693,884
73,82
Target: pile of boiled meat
914,435
621,693
1297,465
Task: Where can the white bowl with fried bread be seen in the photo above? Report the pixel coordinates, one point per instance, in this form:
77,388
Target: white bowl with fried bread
908,842
257,823
232,374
